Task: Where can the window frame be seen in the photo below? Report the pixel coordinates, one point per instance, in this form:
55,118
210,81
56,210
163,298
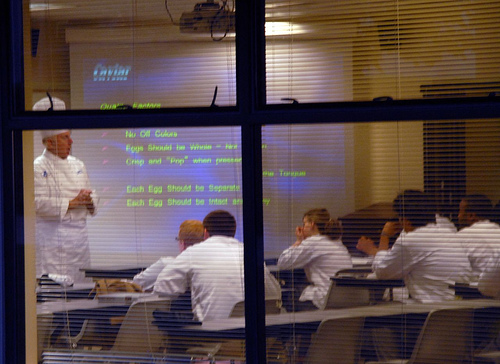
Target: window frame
249,114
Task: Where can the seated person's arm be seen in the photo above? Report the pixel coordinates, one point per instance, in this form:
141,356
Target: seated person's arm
147,278
174,278
367,245
489,281
296,256
387,264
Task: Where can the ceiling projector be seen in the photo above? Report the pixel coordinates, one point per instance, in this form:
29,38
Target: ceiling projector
207,17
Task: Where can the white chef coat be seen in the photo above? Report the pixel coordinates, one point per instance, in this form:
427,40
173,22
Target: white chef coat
147,278
428,259
214,271
321,259
480,240
489,281
444,222
61,234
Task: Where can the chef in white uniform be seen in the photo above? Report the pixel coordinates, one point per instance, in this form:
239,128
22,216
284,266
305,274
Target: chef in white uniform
63,201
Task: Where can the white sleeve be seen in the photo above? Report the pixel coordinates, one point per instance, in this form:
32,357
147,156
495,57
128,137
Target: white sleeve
174,278
147,278
95,196
272,286
295,257
48,203
391,264
489,281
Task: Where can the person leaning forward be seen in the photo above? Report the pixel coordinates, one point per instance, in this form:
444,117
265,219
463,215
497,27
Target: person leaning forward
190,233
213,269
425,254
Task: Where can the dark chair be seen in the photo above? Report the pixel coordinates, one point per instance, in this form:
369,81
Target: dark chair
446,337
336,341
340,297
235,349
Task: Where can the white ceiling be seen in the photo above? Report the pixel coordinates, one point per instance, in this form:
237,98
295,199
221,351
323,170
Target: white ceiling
311,18
155,11
116,11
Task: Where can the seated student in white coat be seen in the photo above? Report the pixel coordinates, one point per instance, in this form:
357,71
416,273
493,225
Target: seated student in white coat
489,281
479,235
213,270
425,254
319,250
190,233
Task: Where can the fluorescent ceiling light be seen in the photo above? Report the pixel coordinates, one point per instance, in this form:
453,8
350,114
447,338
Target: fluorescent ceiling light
274,28
45,7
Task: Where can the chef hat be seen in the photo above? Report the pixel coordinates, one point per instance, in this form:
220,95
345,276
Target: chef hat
44,104
49,133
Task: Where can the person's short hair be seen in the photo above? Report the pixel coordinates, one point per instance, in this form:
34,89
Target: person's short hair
478,204
220,222
416,207
191,232
325,224
496,213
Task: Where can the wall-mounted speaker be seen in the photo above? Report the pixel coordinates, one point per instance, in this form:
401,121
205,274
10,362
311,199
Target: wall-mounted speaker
388,34
35,35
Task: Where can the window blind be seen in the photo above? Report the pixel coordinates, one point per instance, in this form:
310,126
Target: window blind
157,193
397,49
366,177
114,55
305,167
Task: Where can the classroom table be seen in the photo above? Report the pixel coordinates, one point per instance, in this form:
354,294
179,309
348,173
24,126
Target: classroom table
57,292
294,281
376,287
281,326
119,271
277,325
362,262
228,328
467,291
53,317
91,306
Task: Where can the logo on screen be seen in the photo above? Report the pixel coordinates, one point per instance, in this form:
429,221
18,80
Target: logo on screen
111,73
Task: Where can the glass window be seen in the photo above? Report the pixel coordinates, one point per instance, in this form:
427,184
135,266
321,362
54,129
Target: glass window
360,216
325,186
355,192
115,210
138,55
325,51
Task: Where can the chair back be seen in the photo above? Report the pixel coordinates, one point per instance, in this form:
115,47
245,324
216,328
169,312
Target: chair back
273,306
446,337
361,272
336,341
340,297
137,332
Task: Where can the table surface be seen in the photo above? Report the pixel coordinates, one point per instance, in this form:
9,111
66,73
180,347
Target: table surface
367,282
62,306
383,309
56,292
122,272
357,262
